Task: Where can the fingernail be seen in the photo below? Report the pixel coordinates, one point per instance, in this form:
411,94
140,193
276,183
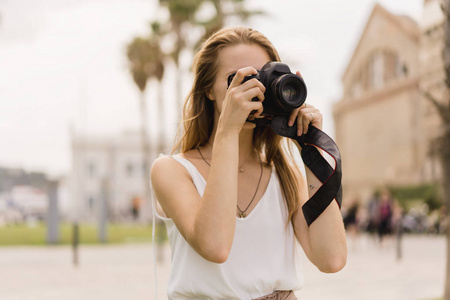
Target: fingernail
299,132
291,123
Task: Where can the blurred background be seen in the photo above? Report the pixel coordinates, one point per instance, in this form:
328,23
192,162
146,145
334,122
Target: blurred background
91,93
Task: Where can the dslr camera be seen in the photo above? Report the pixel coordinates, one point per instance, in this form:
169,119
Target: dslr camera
285,91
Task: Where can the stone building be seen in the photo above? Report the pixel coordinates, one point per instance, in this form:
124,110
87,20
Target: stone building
108,172
432,76
378,121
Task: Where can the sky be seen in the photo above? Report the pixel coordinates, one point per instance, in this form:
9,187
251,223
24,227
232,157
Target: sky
63,67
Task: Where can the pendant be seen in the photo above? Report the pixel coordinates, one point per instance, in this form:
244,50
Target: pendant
242,215
241,170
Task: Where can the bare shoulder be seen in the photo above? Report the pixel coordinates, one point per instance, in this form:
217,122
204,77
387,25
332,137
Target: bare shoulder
166,167
166,174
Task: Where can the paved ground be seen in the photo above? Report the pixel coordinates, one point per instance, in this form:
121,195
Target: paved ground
126,272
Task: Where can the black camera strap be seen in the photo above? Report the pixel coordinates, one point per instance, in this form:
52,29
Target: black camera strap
331,178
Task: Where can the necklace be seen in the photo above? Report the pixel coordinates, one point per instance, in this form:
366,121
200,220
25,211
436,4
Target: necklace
242,213
241,169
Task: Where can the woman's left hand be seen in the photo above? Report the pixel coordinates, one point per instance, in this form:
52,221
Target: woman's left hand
305,115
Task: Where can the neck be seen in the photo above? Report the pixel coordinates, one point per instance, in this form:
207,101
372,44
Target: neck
245,143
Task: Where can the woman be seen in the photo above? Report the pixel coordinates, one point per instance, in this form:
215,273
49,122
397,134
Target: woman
230,199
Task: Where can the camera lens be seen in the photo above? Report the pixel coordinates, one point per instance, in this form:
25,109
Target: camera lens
289,91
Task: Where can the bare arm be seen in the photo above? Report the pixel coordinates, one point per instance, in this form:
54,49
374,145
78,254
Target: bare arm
208,222
324,241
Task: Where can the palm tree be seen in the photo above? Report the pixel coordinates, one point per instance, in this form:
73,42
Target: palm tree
182,15
219,19
443,108
183,18
145,62
158,74
445,140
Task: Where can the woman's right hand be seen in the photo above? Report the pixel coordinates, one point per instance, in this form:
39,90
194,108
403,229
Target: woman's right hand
238,104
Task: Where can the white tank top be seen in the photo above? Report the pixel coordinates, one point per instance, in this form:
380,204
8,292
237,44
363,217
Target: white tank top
264,256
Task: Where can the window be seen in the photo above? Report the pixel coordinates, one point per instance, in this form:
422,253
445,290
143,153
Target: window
91,202
376,70
390,66
357,89
129,169
91,170
401,68
394,67
144,168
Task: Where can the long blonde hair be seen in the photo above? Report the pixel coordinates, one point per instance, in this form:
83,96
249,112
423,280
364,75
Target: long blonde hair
198,111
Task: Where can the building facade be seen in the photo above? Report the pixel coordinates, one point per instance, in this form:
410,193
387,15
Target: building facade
432,76
108,173
382,121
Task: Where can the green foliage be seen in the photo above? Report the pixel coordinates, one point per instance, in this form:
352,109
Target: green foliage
145,61
12,177
15,235
182,10
183,13
426,193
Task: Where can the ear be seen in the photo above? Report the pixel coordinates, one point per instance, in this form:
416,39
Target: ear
210,95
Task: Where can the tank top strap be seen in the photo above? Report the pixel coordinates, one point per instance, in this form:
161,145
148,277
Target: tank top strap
197,178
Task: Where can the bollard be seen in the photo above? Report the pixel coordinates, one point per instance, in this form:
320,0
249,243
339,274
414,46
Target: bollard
75,239
52,214
103,213
399,235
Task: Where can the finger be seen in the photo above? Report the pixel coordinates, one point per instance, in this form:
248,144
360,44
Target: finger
307,119
300,124
257,108
317,120
304,119
296,114
307,107
301,118
252,83
241,74
293,116
254,92
298,73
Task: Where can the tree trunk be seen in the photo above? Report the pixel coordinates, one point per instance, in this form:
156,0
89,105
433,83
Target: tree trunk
445,159
161,120
145,156
445,142
178,88
180,45
446,51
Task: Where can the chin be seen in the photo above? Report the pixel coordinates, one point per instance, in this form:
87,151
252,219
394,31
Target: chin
248,125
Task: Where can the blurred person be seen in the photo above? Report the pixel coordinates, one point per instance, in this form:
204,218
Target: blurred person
432,222
373,214
231,210
398,214
135,207
351,221
385,215
442,220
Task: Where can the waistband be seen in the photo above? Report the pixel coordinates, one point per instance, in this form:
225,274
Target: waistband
279,295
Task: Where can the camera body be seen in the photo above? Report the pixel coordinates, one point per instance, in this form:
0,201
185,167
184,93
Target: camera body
285,91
